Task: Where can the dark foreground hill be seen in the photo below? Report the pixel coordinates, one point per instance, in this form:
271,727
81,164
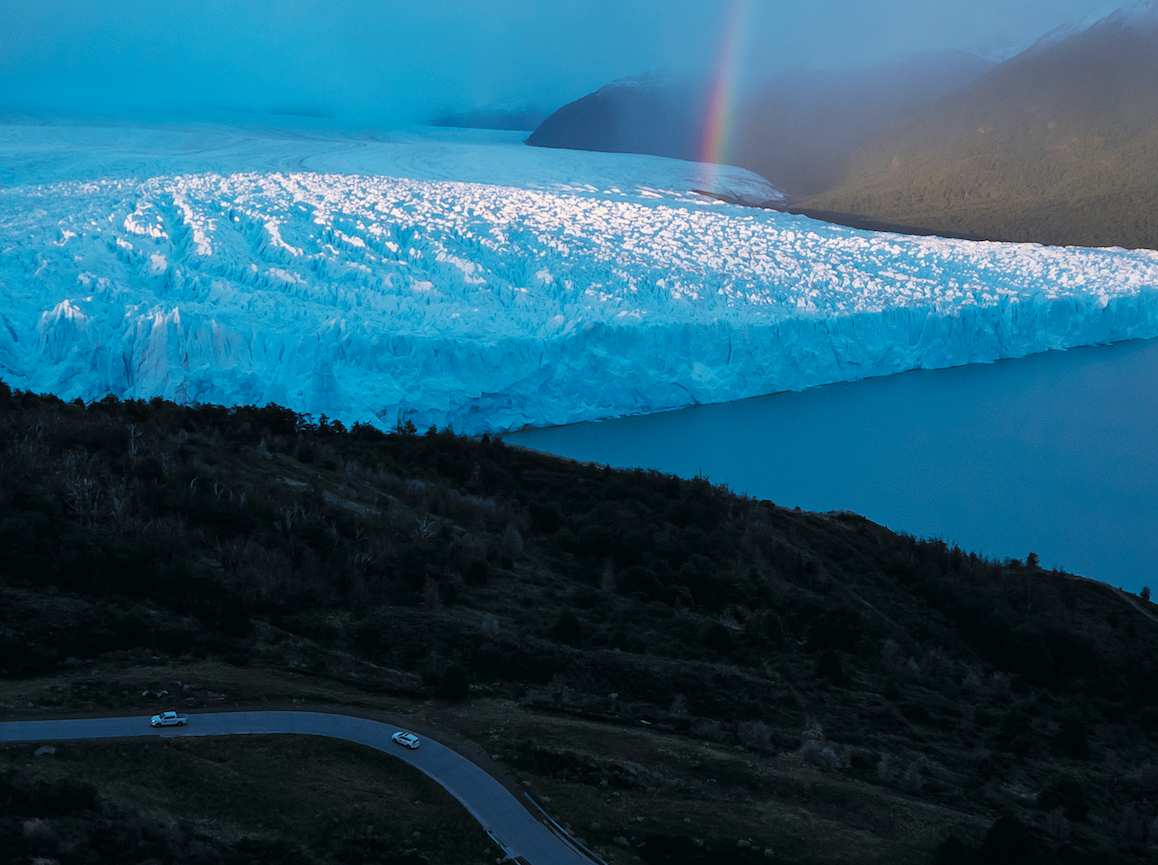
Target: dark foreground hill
1058,145
814,685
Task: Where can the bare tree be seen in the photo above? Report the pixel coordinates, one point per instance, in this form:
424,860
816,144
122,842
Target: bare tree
431,594
490,625
512,540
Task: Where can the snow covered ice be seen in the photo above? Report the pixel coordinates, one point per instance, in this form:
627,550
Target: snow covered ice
466,280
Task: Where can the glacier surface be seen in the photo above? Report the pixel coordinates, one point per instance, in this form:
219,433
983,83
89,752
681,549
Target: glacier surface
473,282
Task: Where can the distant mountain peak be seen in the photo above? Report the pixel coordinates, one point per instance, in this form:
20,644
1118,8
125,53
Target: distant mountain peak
1141,14
647,81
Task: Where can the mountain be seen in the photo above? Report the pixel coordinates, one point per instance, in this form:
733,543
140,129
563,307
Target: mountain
653,115
797,130
1057,145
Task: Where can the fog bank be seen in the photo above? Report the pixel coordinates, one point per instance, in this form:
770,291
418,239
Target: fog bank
388,61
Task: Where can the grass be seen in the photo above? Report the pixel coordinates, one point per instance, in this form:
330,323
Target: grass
304,791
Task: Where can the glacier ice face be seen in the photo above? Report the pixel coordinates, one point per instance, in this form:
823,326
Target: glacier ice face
488,307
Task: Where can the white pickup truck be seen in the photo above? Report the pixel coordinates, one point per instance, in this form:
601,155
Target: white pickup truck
169,719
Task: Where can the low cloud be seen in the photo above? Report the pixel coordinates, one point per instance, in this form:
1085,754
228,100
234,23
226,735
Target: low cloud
408,61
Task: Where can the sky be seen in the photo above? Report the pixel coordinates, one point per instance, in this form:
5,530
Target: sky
386,59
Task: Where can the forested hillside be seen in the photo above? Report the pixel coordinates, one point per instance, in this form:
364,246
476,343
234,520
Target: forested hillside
844,668
1058,145
797,130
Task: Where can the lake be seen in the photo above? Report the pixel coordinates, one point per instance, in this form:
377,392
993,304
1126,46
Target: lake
1055,453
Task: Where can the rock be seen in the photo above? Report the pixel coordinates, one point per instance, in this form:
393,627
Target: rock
595,827
42,750
768,854
620,841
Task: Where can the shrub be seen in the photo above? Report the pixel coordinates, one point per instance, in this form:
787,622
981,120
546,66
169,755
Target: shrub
764,629
1067,792
512,540
567,628
490,625
1009,841
454,683
1145,777
1057,825
717,637
478,574
835,629
829,757
829,667
756,736
954,851
546,518
912,777
1072,738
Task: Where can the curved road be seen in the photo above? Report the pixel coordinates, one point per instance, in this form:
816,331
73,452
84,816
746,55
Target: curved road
521,835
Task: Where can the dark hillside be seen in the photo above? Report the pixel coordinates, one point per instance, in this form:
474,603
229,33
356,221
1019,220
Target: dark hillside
797,130
800,130
851,668
1058,145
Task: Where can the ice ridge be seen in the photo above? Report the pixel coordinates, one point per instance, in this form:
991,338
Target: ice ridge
488,308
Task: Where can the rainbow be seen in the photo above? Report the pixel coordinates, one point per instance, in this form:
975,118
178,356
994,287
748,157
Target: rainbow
722,94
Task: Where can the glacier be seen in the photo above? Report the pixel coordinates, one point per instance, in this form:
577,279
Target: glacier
467,281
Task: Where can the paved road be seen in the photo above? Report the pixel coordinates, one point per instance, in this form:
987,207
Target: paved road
495,807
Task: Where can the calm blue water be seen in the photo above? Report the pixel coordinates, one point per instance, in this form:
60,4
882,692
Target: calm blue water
1056,453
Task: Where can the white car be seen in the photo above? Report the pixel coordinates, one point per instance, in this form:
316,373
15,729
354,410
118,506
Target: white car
169,719
406,740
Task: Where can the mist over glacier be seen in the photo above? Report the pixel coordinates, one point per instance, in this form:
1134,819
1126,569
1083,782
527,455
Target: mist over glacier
349,278
385,62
